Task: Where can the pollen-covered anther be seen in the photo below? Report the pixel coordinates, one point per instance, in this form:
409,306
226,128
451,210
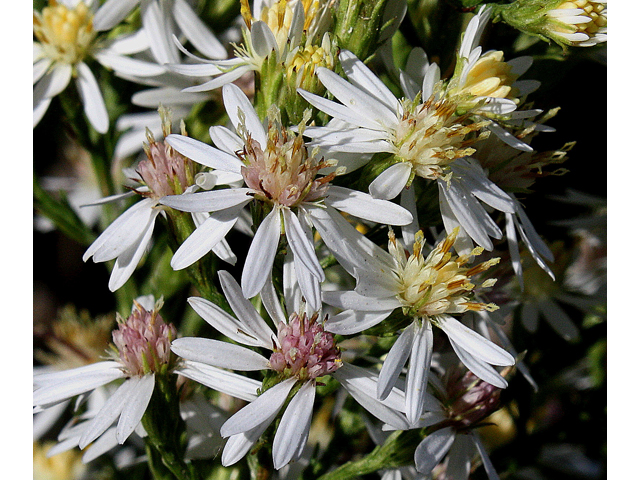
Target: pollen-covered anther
431,135
437,284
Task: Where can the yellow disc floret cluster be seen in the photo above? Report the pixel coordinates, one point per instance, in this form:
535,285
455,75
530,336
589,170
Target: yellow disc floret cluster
440,283
66,34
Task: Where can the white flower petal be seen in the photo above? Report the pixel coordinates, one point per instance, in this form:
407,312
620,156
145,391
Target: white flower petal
40,68
271,302
262,252
76,383
360,76
431,77
237,386
109,412
223,322
247,315
351,248
459,204
212,201
204,154
433,448
211,232
508,138
219,354
101,445
127,65
361,385
196,31
128,44
391,182
54,82
225,139
136,406
262,39
478,367
235,100
167,96
111,13
533,239
520,65
484,456
349,322
265,406
302,246
341,112
481,187
154,21
224,79
238,445
195,70
122,233
341,137
395,362
39,110
460,455
360,102
473,342
353,300
418,371
364,206
128,260
293,430
309,286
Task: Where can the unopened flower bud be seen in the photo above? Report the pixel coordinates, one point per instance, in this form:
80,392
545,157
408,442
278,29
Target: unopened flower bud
471,399
576,23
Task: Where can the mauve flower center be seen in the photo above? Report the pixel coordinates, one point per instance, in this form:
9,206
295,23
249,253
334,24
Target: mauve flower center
306,349
144,342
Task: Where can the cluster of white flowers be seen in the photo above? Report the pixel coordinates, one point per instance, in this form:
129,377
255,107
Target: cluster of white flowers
315,160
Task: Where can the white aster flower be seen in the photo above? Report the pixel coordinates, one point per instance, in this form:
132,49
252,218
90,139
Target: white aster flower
424,137
428,290
280,175
301,352
580,23
66,37
164,172
141,351
275,27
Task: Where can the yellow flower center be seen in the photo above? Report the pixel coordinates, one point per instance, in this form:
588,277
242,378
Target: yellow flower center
430,136
66,34
438,283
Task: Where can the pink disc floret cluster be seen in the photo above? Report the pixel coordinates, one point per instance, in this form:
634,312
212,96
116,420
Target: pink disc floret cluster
306,350
144,342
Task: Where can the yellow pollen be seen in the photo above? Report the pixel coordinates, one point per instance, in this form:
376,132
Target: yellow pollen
66,34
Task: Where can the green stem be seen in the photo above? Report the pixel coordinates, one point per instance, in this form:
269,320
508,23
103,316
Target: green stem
165,432
396,452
